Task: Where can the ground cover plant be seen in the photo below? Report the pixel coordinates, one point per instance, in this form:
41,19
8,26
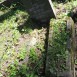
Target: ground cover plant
18,55
22,42
57,49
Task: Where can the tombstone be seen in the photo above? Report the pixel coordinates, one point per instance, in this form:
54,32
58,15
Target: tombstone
41,10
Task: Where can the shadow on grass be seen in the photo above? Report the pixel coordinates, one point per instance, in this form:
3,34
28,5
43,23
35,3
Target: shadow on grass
26,25
10,12
36,68
31,24
7,15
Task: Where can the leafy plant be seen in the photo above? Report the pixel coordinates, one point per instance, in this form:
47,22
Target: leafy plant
33,56
22,53
57,47
12,71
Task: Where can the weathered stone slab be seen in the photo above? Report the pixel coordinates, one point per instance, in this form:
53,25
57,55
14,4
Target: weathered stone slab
39,9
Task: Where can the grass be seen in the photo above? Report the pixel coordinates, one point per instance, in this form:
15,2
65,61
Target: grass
9,36
17,56
22,43
57,47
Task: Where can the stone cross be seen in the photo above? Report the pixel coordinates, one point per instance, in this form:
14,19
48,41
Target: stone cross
41,10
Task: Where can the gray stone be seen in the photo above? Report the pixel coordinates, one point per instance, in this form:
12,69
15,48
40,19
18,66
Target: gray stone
41,10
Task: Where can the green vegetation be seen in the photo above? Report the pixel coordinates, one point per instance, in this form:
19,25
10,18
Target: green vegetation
22,49
17,56
57,50
57,47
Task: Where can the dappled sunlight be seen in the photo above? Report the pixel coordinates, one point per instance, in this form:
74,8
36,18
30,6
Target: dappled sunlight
30,48
22,44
